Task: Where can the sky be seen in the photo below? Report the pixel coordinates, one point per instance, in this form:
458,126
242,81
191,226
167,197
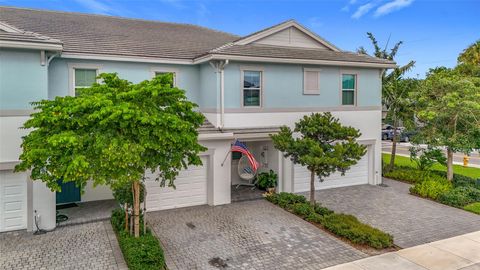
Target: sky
433,32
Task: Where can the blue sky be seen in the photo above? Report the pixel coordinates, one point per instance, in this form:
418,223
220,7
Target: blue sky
434,32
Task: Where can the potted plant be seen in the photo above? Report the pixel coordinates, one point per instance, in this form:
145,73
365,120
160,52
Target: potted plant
267,181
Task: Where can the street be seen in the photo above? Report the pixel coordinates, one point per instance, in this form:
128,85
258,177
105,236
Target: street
402,149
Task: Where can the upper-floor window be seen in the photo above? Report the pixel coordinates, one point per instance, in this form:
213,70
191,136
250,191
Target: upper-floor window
349,89
84,78
174,82
252,88
311,81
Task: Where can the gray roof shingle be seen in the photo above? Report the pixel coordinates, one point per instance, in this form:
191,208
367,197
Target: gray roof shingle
97,34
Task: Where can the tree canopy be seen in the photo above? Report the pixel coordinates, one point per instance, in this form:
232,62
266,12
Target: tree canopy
323,145
111,133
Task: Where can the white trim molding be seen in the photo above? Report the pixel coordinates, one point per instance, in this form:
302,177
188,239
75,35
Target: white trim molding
216,56
31,45
7,113
71,74
311,91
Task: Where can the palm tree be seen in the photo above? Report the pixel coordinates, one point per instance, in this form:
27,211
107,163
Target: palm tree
394,94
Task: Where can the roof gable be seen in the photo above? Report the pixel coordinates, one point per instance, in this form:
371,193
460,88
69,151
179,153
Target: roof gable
287,34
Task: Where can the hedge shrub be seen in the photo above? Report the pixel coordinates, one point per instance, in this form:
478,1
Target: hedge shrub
349,227
139,253
409,175
460,196
342,225
431,188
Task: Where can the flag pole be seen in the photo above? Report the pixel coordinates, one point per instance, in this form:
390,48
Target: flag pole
229,151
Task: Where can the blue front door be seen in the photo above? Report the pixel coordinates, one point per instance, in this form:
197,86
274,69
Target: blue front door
70,193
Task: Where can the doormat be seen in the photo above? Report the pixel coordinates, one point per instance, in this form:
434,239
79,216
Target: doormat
67,205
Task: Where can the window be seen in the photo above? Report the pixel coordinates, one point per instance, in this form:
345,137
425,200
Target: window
174,82
349,85
252,88
84,78
311,81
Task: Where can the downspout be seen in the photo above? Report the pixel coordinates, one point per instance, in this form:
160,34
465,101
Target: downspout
222,93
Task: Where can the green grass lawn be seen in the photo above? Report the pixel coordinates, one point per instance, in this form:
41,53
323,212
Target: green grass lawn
458,169
474,208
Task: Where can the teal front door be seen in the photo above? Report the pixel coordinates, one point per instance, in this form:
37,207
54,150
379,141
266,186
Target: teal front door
70,193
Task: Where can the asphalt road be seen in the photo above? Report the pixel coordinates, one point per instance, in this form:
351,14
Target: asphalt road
402,149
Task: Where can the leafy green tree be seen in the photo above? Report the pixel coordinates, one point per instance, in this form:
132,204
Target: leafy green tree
426,158
324,146
448,108
111,133
394,90
469,60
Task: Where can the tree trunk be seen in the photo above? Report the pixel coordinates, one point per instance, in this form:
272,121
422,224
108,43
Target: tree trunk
136,209
449,164
312,188
394,146
126,217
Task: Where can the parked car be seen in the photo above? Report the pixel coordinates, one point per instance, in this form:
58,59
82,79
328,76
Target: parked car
387,131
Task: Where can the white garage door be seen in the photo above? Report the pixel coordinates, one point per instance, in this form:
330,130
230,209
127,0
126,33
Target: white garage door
191,189
13,201
357,175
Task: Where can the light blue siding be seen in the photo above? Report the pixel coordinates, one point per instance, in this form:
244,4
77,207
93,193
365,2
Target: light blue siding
209,85
283,86
22,79
188,76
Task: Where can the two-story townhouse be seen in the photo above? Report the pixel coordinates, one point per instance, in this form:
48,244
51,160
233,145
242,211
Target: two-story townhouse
245,86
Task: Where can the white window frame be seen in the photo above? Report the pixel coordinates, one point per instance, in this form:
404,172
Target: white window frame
261,89
175,71
355,90
71,74
311,91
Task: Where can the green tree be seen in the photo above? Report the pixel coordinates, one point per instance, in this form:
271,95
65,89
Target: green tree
469,60
324,146
111,133
448,108
394,91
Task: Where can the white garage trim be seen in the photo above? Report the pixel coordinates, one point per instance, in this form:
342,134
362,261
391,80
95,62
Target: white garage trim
362,173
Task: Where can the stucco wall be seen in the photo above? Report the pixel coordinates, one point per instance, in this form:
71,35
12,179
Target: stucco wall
283,86
188,76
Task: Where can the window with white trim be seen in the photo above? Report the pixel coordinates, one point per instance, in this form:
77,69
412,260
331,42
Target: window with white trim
84,78
174,82
252,88
311,81
349,89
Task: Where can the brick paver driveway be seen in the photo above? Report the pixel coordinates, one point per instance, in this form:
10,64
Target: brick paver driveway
245,235
411,220
86,246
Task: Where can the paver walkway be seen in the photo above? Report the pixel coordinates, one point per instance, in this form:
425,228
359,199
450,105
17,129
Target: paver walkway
86,246
410,219
460,252
245,235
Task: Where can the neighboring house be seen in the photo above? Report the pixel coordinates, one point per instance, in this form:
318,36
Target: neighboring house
245,86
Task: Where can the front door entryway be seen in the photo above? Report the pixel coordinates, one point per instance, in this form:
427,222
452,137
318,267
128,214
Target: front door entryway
69,194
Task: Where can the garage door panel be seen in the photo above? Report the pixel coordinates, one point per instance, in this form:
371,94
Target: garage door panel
13,201
357,175
191,189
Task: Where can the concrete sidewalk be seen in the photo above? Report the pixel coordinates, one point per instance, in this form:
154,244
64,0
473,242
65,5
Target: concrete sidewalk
461,252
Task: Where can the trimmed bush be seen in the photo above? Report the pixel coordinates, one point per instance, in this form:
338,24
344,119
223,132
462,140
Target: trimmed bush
302,209
139,253
349,227
405,174
460,196
431,188
474,208
284,199
323,211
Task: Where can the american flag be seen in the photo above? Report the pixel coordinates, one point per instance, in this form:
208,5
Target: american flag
240,147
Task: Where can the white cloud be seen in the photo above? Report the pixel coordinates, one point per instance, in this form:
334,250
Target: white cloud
392,6
352,2
362,10
96,6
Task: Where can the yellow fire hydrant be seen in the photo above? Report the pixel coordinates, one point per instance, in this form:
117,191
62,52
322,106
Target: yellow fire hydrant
465,161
